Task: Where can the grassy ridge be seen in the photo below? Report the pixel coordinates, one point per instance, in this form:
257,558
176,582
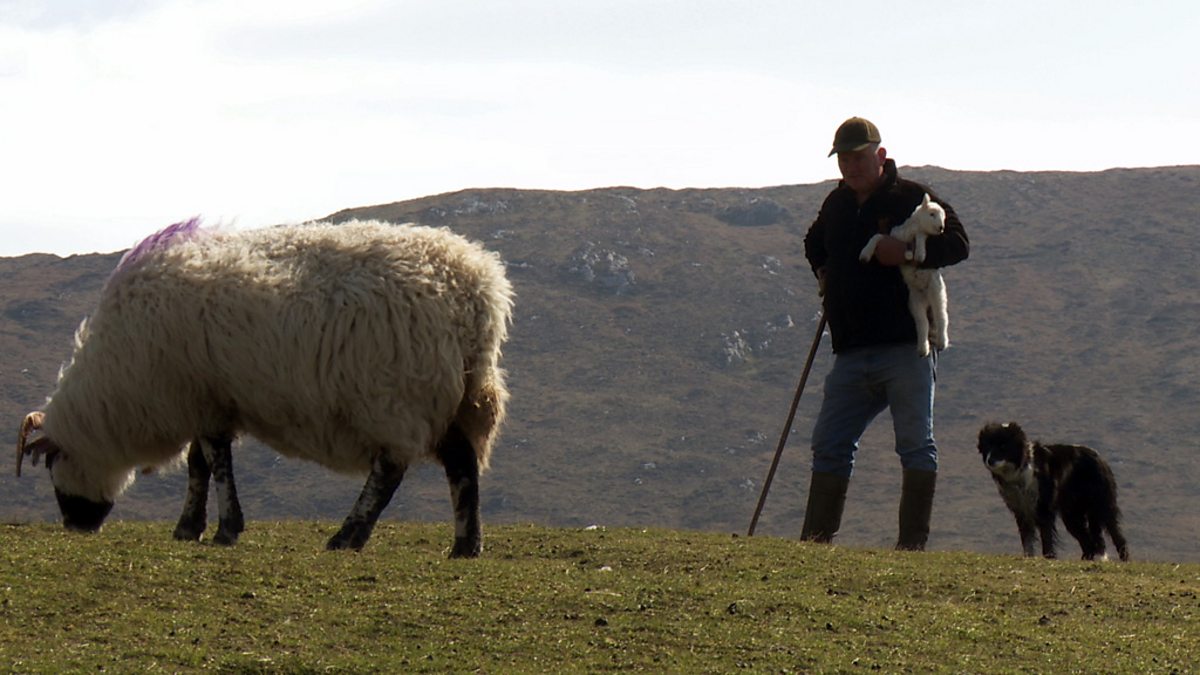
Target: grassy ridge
130,599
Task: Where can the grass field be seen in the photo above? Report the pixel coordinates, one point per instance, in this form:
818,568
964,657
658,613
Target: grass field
556,600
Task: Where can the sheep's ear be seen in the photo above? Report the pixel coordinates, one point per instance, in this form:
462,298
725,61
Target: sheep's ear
926,201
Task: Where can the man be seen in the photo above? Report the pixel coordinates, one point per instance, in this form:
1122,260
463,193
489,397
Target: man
876,364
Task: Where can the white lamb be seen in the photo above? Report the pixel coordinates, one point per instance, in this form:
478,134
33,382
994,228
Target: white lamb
362,346
926,289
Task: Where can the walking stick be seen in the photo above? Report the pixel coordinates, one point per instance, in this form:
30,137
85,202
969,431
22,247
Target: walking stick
787,426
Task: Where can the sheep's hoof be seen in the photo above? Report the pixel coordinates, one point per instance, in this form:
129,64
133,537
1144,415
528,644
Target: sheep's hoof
348,539
187,532
466,548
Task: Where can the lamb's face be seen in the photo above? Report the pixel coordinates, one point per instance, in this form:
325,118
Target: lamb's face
1003,449
932,218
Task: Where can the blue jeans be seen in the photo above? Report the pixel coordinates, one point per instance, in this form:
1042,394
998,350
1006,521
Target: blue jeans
864,382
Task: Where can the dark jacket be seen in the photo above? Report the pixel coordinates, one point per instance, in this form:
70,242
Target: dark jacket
867,303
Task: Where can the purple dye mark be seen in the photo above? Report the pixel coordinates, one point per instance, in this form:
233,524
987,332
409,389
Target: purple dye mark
181,231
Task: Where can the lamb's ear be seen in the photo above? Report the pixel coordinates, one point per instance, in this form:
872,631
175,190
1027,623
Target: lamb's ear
925,202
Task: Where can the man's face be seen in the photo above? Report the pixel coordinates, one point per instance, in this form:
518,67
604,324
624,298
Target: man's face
862,169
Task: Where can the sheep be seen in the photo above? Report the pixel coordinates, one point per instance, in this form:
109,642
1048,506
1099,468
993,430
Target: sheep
364,347
926,288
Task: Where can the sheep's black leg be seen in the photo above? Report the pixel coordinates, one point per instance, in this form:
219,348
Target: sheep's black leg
381,485
195,515
218,450
462,471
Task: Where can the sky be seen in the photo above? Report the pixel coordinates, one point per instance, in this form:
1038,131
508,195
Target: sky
119,117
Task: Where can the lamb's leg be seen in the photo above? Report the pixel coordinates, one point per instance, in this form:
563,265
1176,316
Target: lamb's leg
868,251
218,450
940,333
194,518
919,248
462,471
920,313
381,485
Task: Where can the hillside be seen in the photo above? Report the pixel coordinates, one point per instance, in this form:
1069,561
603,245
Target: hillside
659,335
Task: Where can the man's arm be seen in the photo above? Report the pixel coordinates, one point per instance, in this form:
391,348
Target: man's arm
814,244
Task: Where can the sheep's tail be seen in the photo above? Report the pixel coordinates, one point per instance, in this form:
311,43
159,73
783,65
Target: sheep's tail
485,395
482,412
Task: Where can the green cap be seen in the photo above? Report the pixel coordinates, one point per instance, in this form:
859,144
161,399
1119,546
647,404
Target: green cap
855,134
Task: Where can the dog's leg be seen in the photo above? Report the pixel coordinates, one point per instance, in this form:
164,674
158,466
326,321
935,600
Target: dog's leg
1029,536
1047,515
1049,536
1075,520
1095,529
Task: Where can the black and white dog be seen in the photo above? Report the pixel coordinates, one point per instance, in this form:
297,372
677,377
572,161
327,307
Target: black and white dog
1039,482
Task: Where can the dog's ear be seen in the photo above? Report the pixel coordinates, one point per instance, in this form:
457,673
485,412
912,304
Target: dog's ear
1014,428
989,434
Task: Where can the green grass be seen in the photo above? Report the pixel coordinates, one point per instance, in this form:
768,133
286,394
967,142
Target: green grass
551,600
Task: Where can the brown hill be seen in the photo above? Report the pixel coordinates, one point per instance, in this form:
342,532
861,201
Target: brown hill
659,335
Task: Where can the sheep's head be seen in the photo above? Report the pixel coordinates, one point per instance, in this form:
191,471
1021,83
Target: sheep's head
80,513
929,216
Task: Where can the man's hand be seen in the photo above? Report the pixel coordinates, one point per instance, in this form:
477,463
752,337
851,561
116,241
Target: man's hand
890,251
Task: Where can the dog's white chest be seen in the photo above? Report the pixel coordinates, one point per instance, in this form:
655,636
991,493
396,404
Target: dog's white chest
1019,488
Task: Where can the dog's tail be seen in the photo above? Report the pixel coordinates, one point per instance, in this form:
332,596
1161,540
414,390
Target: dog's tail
1118,539
1112,513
